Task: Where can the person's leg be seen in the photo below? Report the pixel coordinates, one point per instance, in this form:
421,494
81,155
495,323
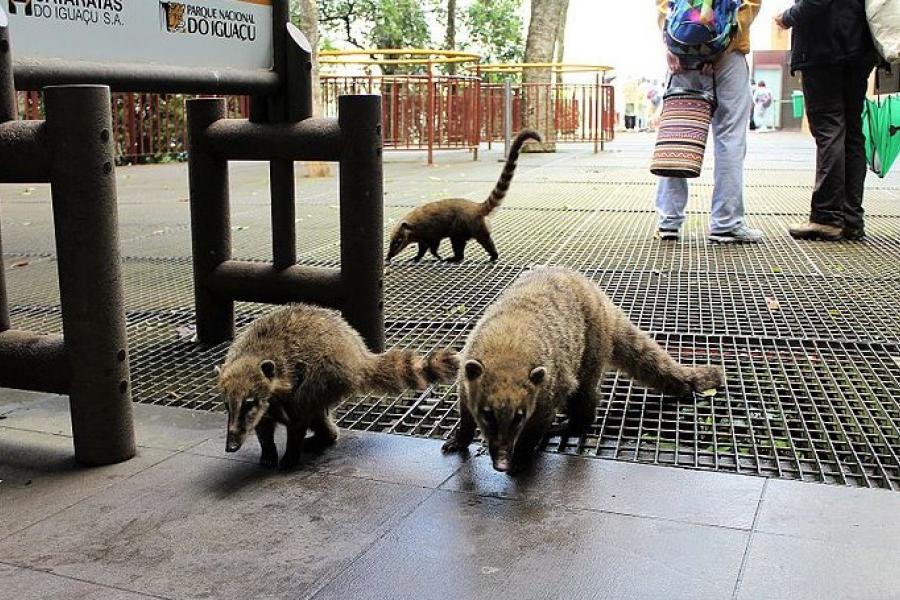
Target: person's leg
729,130
822,89
671,200
856,80
672,192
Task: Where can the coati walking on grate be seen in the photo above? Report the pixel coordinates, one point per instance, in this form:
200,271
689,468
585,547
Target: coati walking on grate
456,218
544,345
295,364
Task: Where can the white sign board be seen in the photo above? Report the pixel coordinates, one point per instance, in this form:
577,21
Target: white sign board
234,34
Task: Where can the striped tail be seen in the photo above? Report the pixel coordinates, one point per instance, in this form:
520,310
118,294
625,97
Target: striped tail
399,370
499,191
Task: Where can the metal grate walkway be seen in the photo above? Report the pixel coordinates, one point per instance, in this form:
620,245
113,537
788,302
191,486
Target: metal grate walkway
809,333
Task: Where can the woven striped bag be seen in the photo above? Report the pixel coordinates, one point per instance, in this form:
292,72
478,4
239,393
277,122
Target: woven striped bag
683,130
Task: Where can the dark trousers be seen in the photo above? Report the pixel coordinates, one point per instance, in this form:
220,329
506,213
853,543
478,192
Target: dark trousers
835,96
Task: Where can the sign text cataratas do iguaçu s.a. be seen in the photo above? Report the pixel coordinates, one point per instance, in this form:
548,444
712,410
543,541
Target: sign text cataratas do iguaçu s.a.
233,34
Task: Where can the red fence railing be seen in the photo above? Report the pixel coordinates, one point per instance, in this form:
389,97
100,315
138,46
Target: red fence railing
148,127
573,112
418,113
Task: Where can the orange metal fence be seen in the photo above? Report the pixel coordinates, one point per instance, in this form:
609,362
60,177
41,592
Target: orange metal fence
570,112
419,112
148,127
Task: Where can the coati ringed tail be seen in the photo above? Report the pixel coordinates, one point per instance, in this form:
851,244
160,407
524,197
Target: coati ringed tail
295,364
456,218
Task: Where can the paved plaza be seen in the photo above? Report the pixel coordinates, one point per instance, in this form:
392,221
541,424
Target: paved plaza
784,485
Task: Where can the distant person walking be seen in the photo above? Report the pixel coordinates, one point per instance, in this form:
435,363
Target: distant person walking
729,129
762,104
833,49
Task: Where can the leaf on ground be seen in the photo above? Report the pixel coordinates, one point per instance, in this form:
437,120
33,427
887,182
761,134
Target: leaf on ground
709,393
773,304
776,269
459,309
185,331
782,444
20,263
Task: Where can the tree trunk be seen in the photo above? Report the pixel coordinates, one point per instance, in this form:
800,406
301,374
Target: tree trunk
307,14
308,22
561,41
450,42
539,47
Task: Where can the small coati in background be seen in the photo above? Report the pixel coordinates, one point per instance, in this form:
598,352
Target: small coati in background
293,365
456,218
544,344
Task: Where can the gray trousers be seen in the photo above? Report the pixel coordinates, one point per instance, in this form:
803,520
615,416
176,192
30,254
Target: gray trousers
729,133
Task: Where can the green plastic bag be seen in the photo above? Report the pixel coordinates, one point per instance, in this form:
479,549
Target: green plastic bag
881,125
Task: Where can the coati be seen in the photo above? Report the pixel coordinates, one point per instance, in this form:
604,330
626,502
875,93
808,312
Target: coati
296,363
545,344
456,218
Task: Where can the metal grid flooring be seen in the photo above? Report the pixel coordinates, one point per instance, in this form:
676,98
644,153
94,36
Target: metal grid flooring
809,333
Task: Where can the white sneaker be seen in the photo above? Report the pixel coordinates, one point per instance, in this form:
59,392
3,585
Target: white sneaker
739,235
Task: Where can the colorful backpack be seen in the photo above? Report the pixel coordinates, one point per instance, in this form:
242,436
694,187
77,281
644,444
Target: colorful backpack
698,30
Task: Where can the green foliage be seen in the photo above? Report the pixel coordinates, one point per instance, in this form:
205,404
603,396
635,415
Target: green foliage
376,23
495,30
491,28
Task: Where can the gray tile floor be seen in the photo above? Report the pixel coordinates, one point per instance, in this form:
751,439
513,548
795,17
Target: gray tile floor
382,516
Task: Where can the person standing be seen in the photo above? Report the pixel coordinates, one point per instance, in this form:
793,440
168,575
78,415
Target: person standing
729,128
762,102
832,48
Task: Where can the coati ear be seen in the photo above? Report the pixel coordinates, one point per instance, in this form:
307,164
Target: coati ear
538,375
268,368
218,370
474,369
405,226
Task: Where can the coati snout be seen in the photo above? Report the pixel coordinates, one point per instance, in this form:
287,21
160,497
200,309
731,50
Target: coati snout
505,401
247,390
399,240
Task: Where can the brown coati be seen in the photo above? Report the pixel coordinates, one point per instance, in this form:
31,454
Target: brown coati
456,218
296,363
544,345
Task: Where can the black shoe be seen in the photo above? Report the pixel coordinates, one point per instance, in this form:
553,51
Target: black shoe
854,235
668,234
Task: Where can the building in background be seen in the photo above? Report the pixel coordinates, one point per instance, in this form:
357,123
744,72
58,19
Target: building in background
771,64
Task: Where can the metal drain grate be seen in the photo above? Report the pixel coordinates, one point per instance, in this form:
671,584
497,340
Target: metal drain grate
809,333
814,411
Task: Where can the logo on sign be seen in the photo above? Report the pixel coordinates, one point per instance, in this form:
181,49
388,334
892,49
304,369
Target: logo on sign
14,5
174,17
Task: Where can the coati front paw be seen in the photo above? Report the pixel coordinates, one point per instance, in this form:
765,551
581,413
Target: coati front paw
454,446
453,260
494,258
706,378
289,462
269,460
